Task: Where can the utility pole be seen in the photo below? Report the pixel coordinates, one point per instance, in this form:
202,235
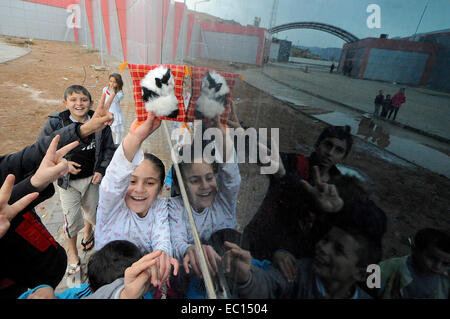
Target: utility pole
420,21
273,15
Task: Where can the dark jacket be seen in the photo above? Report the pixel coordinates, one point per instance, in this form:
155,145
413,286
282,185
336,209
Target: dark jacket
104,149
276,223
379,99
30,255
271,284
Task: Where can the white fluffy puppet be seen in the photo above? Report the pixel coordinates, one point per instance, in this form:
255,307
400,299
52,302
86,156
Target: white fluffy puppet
158,92
213,96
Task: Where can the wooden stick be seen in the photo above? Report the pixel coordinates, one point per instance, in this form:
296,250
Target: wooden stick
198,246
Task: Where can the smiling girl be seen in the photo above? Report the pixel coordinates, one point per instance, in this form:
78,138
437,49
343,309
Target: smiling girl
129,208
115,85
212,191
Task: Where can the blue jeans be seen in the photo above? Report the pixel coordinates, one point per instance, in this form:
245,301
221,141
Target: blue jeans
377,109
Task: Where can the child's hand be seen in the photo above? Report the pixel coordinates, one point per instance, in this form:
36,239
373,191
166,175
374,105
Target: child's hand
237,263
191,258
326,195
97,178
233,120
8,212
43,293
101,118
164,263
233,124
53,165
138,133
114,87
74,167
140,275
146,128
285,262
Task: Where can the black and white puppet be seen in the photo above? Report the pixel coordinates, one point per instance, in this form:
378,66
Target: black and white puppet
213,96
158,92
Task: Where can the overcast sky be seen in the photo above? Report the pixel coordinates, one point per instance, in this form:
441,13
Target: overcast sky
398,17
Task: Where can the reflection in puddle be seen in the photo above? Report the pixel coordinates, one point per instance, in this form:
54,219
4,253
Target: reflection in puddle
347,170
380,135
290,100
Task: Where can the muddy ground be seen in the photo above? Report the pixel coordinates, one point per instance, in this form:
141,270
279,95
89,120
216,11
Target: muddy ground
412,197
32,86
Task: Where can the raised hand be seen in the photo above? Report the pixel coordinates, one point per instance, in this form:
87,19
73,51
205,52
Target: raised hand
286,263
8,212
164,263
140,276
53,164
237,263
191,258
325,195
143,130
74,167
43,293
101,118
138,133
233,120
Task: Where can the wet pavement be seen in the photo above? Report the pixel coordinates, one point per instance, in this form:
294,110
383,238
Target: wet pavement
396,144
425,110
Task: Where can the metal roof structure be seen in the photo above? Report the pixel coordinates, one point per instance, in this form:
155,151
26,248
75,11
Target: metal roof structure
340,33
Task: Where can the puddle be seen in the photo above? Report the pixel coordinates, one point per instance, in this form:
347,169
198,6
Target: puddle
385,137
404,147
347,170
290,100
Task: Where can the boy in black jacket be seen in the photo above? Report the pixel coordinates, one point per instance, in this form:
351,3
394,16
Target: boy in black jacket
30,255
378,103
79,190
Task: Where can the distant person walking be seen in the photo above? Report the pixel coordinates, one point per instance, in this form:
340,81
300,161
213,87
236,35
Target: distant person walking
332,68
378,103
397,100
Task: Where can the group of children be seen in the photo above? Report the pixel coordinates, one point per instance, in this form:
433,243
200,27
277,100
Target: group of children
388,105
313,237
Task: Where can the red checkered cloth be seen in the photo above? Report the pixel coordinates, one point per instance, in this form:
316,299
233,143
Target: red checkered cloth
197,76
139,71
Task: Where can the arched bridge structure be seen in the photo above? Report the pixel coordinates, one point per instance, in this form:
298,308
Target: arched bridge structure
344,35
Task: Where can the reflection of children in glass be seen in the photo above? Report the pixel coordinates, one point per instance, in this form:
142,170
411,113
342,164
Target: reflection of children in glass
378,103
397,100
288,212
340,261
387,106
212,190
422,274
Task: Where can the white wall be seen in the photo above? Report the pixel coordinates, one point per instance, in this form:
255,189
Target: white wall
274,50
398,66
33,20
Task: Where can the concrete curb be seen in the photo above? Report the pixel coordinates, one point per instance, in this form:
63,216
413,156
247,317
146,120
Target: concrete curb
28,50
405,126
